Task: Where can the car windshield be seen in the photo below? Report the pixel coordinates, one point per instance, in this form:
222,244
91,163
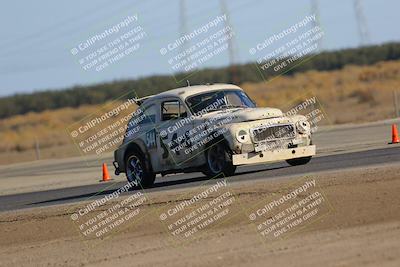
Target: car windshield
217,100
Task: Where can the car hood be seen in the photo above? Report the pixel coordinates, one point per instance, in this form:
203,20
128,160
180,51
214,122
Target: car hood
247,114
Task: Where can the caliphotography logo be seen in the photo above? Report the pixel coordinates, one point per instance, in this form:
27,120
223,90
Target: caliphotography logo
199,133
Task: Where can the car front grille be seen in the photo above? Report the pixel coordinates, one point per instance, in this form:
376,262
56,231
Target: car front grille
273,133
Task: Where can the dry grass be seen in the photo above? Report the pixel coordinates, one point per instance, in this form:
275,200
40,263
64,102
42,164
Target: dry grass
353,94
19,133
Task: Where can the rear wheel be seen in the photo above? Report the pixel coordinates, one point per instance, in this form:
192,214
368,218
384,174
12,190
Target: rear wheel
299,161
138,171
218,161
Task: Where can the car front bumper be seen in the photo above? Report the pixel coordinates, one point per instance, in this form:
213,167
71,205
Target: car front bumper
274,155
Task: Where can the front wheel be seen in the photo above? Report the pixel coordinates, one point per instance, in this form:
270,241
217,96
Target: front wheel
137,171
299,161
218,161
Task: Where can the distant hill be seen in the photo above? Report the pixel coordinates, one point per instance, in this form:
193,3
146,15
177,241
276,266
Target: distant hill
353,94
82,95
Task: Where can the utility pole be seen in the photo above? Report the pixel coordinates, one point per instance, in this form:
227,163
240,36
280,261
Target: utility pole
37,149
396,104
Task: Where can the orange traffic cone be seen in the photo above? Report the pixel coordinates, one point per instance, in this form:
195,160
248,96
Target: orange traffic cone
395,135
106,175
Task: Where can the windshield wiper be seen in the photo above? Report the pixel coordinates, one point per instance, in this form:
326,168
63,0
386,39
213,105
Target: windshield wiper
233,106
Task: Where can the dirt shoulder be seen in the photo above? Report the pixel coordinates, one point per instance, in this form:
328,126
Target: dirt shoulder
70,172
361,228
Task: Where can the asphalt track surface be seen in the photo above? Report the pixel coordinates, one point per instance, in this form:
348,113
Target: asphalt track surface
245,173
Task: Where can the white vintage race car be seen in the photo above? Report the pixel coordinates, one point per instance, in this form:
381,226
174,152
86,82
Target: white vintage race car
208,128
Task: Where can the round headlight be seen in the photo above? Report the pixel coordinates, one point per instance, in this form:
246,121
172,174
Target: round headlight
303,127
242,136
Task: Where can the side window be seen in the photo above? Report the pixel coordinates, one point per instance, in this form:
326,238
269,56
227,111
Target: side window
145,116
149,113
172,110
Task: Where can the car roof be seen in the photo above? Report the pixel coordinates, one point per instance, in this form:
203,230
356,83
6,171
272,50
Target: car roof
184,92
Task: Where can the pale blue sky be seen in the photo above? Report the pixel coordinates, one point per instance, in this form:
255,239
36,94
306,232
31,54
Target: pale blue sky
37,36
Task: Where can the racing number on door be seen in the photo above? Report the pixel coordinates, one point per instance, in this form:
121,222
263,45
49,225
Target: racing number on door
174,143
184,141
187,141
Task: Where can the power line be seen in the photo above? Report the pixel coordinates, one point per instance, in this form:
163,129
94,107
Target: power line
150,40
53,27
23,43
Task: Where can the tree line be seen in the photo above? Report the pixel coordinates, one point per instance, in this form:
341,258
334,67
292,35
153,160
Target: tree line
99,93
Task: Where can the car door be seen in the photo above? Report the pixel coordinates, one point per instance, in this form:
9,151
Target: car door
173,133
147,134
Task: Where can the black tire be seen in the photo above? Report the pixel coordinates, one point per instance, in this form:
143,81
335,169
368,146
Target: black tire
299,161
144,176
223,166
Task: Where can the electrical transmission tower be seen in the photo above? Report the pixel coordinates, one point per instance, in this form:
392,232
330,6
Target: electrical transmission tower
182,23
317,22
361,23
234,78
